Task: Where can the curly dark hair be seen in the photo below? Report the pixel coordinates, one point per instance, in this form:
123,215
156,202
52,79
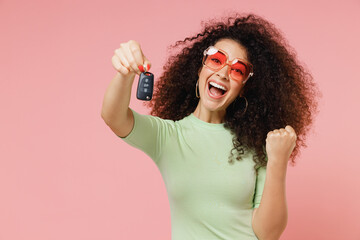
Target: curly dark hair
281,92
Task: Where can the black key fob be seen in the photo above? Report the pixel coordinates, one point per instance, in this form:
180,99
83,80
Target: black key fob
145,86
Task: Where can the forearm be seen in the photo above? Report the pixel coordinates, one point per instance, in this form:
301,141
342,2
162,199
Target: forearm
117,98
271,217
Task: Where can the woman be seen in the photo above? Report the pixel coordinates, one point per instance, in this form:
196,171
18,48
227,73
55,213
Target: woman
235,92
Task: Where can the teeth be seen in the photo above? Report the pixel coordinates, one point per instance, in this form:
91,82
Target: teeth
217,85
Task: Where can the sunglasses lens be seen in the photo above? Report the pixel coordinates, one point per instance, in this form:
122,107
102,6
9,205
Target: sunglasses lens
239,71
215,60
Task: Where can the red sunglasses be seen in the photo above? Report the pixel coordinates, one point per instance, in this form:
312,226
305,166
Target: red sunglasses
215,59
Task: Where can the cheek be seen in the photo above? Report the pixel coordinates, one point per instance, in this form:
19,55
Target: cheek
203,77
202,83
236,88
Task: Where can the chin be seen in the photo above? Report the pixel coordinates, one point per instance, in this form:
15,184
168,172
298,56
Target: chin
213,106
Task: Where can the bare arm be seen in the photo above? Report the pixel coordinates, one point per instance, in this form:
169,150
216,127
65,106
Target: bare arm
115,109
270,219
116,113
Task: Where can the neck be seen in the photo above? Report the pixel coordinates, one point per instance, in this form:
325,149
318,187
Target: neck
209,116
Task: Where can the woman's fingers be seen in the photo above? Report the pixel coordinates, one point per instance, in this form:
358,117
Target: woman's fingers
118,65
133,55
147,63
130,58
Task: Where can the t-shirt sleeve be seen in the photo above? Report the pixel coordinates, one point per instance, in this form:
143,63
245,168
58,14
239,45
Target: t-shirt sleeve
260,182
149,134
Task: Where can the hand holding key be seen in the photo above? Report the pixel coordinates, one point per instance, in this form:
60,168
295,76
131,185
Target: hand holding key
129,59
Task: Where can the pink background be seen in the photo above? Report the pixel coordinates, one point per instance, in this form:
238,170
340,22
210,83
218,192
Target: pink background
65,175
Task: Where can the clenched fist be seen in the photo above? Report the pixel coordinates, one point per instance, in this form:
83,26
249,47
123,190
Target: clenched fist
280,143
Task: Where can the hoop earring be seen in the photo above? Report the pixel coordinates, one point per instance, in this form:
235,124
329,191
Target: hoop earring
196,89
246,103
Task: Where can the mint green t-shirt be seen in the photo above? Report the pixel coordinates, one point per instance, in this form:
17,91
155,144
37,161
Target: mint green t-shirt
209,198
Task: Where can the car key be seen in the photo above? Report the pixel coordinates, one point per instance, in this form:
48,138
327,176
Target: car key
145,86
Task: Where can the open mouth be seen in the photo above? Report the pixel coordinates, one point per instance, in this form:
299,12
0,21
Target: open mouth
216,90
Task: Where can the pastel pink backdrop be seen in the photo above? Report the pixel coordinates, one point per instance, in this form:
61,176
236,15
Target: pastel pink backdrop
65,175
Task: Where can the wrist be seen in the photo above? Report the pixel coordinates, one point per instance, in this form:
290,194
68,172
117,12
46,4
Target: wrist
128,78
277,169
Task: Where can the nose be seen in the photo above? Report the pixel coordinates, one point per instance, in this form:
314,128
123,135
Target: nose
224,72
